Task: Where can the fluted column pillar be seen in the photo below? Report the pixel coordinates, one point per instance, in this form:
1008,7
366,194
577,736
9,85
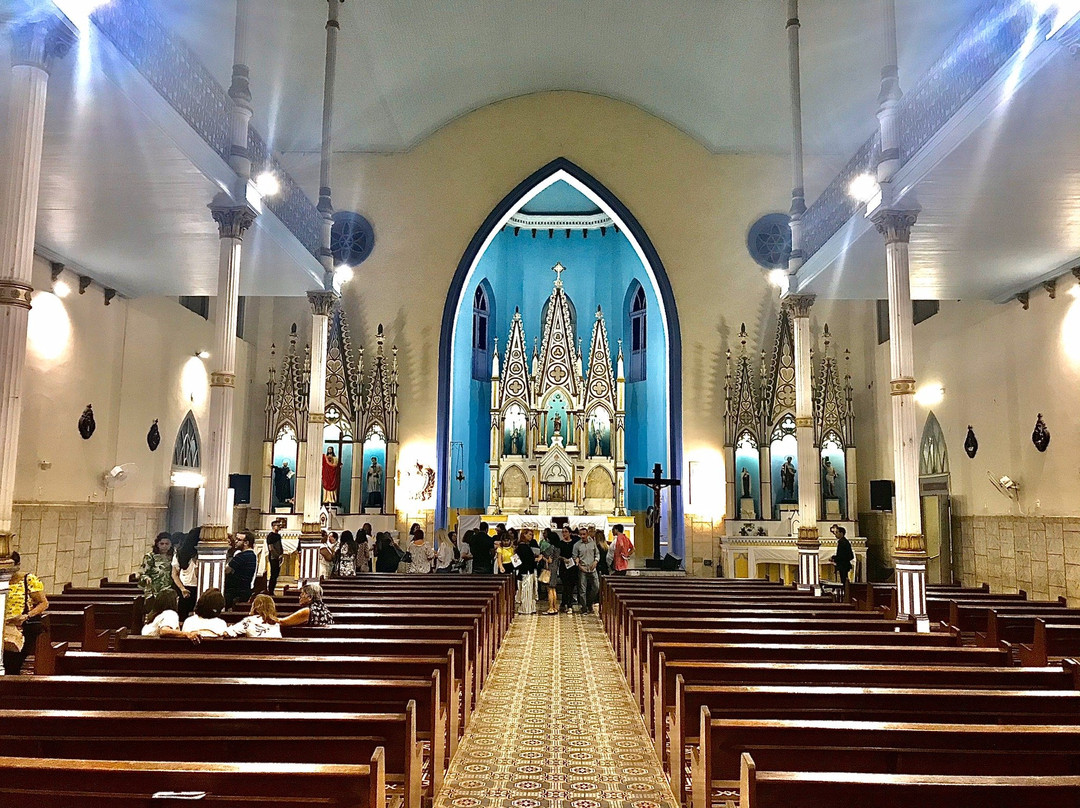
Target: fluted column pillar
910,544
232,221
808,540
35,47
322,303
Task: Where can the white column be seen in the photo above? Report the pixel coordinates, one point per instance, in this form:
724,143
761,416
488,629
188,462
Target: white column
809,462
35,47
321,305
232,221
910,544
889,99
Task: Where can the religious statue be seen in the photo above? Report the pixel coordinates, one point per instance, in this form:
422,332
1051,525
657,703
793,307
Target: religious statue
515,441
283,493
745,477
374,484
828,478
787,479
331,477
558,427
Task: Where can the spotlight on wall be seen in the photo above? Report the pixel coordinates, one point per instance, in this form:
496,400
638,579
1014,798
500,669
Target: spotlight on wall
268,184
780,279
342,275
930,395
863,188
60,287
203,354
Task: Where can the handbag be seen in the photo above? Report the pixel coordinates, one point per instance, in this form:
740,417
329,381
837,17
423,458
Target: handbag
545,576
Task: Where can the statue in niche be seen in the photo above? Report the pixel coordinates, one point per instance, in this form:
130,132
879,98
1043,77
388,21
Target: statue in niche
515,440
374,484
283,475
557,432
745,477
331,477
828,478
787,480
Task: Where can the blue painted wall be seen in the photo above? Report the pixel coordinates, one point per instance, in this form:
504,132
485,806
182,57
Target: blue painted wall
599,271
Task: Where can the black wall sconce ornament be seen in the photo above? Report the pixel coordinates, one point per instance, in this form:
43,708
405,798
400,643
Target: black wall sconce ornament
971,443
87,425
1040,436
153,437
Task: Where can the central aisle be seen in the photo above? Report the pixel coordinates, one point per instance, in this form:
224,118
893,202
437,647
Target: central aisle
556,727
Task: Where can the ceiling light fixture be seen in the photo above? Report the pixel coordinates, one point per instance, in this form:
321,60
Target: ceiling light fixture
268,184
863,188
342,275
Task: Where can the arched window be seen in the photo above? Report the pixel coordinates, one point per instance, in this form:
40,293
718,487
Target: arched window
638,338
186,451
933,453
481,334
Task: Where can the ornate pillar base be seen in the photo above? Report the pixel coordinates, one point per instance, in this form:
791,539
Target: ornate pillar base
910,553
310,566
809,560
212,560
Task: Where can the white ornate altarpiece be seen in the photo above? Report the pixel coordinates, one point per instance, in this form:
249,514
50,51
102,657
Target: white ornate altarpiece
557,420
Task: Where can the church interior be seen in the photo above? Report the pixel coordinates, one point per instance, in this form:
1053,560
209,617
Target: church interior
761,316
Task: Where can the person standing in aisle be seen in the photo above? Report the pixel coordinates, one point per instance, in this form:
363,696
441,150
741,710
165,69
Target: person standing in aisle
587,556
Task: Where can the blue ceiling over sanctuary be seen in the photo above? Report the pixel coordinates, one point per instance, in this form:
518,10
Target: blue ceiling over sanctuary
560,197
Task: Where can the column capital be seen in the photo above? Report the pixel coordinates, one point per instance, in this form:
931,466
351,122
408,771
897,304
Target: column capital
895,225
800,304
232,220
222,379
42,42
15,293
911,544
322,302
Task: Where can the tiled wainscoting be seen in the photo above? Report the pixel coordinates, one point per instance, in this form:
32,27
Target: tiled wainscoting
1040,554
83,542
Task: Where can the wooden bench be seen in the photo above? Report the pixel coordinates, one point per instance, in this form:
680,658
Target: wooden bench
970,618
228,737
80,783
351,695
969,748
1004,625
1052,641
779,788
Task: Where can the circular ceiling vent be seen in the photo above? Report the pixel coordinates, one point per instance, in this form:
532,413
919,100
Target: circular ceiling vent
769,240
351,238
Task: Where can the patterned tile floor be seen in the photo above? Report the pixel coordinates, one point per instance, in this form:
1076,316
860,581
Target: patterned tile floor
556,727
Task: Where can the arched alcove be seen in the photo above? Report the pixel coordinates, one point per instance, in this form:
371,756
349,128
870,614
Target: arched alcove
933,452
666,319
187,449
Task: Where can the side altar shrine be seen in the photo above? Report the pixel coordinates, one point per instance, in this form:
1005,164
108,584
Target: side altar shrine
360,441
761,459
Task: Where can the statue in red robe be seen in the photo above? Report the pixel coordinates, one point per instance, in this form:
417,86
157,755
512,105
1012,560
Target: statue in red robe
331,477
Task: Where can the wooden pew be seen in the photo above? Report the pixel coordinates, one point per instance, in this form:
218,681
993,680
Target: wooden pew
311,647
229,737
84,783
970,618
65,662
241,695
1005,625
1052,641
972,748
781,788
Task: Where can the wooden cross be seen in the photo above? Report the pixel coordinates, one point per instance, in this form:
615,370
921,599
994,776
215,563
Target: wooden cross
558,269
657,483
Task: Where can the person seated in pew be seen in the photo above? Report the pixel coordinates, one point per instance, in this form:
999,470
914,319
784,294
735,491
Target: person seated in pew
207,621
312,611
262,622
162,618
26,601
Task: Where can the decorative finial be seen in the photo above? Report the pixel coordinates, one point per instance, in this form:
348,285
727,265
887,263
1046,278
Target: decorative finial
558,269
620,348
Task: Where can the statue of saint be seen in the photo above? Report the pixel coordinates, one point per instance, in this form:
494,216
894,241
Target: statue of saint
283,493
745,477
331,477
515,440
787,480
374,484
828,478
558,427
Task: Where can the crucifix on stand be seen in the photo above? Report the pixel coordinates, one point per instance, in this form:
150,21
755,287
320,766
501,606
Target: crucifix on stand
657,483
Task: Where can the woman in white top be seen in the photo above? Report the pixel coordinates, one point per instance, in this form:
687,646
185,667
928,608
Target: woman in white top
207,618
262,622
162,619
422,554
185,569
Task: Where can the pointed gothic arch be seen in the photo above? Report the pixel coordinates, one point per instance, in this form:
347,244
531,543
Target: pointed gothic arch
187,449
563,169
482,337
636,330
933,451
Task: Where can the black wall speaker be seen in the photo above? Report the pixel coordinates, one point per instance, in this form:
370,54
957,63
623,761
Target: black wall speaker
670,563
241,486
881,495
